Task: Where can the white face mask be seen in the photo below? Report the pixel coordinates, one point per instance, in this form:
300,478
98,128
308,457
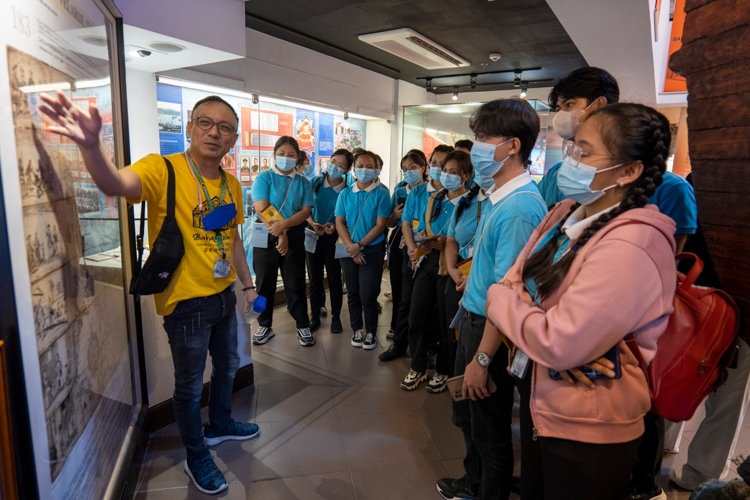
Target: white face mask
566,123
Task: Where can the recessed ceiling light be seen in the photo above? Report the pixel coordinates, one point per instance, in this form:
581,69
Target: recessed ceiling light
167,47
99,41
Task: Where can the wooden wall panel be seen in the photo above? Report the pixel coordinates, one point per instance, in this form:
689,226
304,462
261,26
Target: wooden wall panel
714,59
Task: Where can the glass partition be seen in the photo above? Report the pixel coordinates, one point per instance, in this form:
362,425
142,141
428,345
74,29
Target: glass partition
427,126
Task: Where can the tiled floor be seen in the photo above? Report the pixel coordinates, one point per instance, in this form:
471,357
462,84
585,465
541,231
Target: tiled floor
335,425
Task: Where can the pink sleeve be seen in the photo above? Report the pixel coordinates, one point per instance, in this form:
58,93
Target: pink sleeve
617,285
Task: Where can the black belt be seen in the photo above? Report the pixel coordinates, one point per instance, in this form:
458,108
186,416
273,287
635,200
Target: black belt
477,317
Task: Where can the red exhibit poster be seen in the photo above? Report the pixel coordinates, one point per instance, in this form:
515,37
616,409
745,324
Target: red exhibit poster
261,129
674,82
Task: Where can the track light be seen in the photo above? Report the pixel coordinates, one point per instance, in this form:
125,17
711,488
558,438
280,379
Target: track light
428,83
517,79
455,93
523,92
473,81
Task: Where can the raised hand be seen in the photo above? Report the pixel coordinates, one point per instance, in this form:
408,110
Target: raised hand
79,126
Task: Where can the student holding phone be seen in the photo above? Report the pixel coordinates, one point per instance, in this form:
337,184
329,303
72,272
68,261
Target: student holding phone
599,267
321,238
283,201
430,279
414,208
414,170
362,211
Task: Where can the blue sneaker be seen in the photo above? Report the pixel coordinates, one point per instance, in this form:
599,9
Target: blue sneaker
234,431
205,475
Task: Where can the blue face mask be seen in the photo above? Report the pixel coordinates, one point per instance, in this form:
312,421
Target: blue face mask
308,170
285,164
483,158
485,182
412,177
365,175
335,172
451,182
435,173
574,181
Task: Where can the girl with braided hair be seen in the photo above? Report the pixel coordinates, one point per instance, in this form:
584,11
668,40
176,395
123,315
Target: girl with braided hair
600,266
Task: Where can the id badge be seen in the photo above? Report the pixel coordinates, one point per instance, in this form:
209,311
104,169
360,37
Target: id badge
221,269
259,238
401,244
341,252
311,240
520,366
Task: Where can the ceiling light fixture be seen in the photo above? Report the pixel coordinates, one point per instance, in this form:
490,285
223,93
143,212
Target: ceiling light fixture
517,79
455,93
473,81
523,92
428,83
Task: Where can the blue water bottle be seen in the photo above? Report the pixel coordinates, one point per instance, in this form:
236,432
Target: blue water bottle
259,305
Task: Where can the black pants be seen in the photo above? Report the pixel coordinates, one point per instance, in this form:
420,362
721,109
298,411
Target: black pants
452,298
267,262
362,285
324,256
427,316
395,263
560,469
486,422
647,470
401,337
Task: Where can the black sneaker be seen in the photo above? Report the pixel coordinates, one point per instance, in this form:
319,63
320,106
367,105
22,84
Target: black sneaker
206,477
336,326
305,337
262,335
371,342
412,380
455,489
314,324
357,340
392,353
437,383
323,312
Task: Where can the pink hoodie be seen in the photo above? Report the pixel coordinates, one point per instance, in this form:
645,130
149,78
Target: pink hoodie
622,281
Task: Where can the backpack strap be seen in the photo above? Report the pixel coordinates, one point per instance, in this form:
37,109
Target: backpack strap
170,189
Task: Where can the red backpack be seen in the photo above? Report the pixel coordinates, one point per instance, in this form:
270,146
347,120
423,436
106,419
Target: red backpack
693,354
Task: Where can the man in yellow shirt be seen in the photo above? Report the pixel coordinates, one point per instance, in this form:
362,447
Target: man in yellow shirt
199,304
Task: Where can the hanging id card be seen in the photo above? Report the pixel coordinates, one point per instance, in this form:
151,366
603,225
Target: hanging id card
221,268
520,366
311,240
341,252
259,238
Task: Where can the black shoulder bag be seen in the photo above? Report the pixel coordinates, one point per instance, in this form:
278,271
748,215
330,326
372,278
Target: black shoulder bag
166,252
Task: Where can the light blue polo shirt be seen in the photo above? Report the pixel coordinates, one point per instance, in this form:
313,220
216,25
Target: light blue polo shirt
548,186
465,228
416,202
502,232
442,220
325,199
373,202
675,198
288,193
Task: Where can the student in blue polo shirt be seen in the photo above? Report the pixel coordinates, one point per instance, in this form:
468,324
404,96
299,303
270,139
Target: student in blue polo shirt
505,131
362,211
281,244
675,198
459,246
326,189
414,170
432,275
414,208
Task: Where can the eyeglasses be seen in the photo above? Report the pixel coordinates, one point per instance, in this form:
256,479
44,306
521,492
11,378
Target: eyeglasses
205,123
410,167
575,153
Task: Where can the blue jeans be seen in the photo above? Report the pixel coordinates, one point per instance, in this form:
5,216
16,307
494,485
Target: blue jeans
195,327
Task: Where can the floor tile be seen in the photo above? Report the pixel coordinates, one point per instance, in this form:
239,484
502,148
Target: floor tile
448,439
293,400
387,439
375,394
415,481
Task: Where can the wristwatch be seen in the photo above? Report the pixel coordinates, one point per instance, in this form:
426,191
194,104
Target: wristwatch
483,359
361,246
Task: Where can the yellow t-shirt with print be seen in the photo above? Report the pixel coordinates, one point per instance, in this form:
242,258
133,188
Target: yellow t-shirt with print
194,276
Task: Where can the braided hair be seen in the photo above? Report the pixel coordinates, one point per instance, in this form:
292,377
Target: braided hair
632,133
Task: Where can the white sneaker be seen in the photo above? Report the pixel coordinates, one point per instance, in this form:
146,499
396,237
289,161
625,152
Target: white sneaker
688,478
357,340
412,380
371,342
437,383
262,335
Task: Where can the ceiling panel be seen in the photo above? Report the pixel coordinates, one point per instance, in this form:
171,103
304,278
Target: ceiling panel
526,32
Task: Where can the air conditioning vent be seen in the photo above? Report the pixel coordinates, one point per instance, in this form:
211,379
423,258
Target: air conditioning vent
415,48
